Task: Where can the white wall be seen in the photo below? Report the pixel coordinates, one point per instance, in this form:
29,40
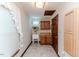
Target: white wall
25,24
9,41
61,11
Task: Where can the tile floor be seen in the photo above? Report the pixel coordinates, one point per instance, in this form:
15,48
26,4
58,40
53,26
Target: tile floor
36,50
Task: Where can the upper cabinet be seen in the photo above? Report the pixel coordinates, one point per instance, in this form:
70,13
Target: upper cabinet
45,25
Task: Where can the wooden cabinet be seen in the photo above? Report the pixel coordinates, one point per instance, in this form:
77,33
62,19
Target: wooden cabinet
42,25
71,32
45,38
45,25
42,39
48,39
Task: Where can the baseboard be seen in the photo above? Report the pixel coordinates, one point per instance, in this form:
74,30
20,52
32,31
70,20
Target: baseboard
15,53
26,49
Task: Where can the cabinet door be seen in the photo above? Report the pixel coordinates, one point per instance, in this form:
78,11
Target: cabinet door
45,39
42,39
69,41
42,25
47,25
48,39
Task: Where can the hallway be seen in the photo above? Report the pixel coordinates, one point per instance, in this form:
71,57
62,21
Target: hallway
36,50
55,26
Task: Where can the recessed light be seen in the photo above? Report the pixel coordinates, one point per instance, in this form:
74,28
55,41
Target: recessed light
39,4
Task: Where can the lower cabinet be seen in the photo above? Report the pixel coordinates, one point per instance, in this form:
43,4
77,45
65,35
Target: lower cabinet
45,39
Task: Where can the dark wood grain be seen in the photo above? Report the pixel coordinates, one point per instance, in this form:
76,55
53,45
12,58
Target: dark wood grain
45,25
55,33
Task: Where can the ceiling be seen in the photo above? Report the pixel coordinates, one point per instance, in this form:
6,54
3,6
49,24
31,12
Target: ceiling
39,12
